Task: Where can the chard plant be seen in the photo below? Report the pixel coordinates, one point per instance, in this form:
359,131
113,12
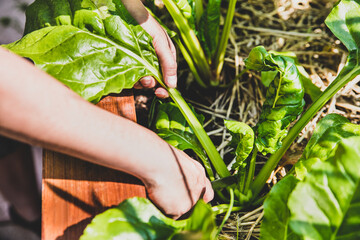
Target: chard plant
200,41
97,49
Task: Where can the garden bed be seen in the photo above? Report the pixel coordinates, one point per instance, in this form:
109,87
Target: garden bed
282,26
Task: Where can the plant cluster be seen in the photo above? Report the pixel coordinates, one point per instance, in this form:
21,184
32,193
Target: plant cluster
97,49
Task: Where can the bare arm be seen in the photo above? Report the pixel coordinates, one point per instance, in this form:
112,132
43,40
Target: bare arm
37,109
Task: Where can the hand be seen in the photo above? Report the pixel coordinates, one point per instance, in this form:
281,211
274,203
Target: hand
164,48
175,190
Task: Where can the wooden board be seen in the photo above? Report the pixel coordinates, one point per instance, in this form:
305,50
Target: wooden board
74,191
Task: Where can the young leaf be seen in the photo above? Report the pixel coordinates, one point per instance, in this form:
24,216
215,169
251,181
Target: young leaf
208,30
284,98
275,225
138,218
320,205
171,126
322,145
190,40
242,140
84,14
310,88
100,54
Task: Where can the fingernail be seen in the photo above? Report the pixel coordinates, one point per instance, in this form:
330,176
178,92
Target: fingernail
146,82
171,81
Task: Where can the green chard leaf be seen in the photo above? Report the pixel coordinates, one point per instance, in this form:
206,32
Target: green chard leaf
325,205
343,21
310,88
208,29
139,219
275,225
242,140
284,98
93,48
322,145
170,125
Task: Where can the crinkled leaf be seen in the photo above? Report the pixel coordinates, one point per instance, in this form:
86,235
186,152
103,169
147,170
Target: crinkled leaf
84,14
138,218
170,124
275,225
284,98
310,88
208,29
100,54
322,145
242,140
325,205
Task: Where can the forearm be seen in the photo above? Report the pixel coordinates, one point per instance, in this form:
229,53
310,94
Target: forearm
37,109
137,10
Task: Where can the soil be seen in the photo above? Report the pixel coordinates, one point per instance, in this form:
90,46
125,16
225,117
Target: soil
280,25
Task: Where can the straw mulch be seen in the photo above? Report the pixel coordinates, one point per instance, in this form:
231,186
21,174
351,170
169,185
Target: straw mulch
280,25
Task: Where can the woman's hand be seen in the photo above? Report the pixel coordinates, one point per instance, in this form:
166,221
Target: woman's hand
163,45
175,189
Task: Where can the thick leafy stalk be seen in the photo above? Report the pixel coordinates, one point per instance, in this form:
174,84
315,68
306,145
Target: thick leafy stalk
199,131
190,62
330,91
190,39
227,215
207,166
221,208
221,48
251,172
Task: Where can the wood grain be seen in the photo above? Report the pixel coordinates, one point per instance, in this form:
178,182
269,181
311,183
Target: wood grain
74,191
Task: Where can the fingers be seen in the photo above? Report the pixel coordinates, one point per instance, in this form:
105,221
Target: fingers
166,52
209,192
161,93
149,82
146,82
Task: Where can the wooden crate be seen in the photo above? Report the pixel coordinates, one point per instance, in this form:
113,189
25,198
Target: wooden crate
74,191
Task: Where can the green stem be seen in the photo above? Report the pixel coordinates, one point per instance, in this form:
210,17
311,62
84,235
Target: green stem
221,48
242,180
219,209
251,172
227,215
190,39
190,62
200,133
195,125
347,74
207,165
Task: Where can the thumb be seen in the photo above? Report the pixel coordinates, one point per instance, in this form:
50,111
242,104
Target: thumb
167,57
